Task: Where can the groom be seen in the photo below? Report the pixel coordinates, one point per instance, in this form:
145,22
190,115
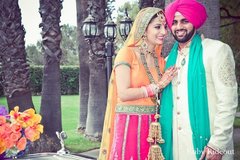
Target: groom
199,106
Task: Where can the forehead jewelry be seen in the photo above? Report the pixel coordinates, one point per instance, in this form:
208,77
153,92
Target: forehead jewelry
161,17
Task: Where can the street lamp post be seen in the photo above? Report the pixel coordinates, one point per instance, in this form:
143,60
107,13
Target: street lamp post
90,31
110,33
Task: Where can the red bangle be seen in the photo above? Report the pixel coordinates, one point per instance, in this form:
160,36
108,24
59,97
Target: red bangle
149,91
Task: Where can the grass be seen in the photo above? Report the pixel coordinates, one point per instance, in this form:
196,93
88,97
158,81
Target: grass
237,123
75,142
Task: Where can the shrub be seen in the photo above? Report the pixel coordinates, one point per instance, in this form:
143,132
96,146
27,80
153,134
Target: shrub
68,76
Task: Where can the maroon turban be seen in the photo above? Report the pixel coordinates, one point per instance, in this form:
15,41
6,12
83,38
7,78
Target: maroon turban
192,10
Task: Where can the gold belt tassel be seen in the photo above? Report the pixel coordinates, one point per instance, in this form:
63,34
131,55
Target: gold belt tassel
155,138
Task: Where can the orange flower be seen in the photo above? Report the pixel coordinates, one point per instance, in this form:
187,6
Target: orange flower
21,144
21,127
16,128
14,113
29,118
7,128
9,143
33,133
15,136
2,146
2,120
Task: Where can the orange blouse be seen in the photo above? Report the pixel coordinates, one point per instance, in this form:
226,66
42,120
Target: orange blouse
138,77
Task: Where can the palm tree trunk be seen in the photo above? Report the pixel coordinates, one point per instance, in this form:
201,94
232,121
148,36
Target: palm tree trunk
159,3
50,11
211,27
145,3
15,70
83,65
97,80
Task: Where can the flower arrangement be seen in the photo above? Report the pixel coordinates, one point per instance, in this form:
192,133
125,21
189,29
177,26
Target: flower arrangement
17,129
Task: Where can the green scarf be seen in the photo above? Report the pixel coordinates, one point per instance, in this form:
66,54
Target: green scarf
197,101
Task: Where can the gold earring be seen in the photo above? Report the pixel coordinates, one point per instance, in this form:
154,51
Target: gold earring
144,44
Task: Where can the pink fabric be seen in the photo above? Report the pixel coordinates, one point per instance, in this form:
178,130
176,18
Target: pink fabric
130,149
192,10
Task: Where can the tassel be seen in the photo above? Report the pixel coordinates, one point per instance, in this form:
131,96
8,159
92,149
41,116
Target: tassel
155,133
155,137
155,153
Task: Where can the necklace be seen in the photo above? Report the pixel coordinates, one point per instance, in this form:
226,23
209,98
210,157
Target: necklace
183,61
144,61
150,77
150,53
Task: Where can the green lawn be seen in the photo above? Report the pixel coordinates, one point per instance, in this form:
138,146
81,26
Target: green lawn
76,142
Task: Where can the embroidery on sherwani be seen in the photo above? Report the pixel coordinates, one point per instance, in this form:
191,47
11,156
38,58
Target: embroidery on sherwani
125,137
139,135
226,72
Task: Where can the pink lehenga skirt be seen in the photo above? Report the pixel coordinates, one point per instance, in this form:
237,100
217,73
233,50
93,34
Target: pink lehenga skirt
131,131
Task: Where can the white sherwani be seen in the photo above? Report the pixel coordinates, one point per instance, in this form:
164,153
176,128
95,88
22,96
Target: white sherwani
222,101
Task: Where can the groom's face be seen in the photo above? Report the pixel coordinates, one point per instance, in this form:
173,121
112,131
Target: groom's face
182,29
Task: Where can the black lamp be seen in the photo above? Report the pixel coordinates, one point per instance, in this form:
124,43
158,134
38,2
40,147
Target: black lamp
89,28
110,30
125,26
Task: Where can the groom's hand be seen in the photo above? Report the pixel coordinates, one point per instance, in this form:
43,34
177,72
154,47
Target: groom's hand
210,154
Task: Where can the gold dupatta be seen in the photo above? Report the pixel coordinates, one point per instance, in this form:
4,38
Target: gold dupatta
134,39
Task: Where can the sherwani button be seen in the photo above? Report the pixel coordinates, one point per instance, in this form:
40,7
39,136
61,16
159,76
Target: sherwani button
178,97
178,113
179,128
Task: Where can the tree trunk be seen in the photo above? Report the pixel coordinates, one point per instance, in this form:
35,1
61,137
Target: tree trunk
50,11
145,3
97,80
211,27
83,65
15,70
159,3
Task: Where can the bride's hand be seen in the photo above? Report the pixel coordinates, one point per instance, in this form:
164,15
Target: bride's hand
167,77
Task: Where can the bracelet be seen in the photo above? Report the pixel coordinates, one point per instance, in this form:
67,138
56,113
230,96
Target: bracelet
150,90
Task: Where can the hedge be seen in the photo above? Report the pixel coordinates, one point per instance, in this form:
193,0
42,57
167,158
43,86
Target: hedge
68,77
69,80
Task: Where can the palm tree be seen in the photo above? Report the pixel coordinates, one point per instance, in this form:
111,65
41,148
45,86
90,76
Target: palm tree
211,27
50,11
93,77
97,80
145,3
83,65
15,69
159,3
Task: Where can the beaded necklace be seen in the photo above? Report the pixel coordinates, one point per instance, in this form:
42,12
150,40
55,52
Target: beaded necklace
144,61
155,132
149,74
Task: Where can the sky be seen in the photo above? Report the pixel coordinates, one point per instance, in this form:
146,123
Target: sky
31,18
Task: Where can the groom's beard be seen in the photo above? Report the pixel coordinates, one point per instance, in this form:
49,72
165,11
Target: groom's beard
186,38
